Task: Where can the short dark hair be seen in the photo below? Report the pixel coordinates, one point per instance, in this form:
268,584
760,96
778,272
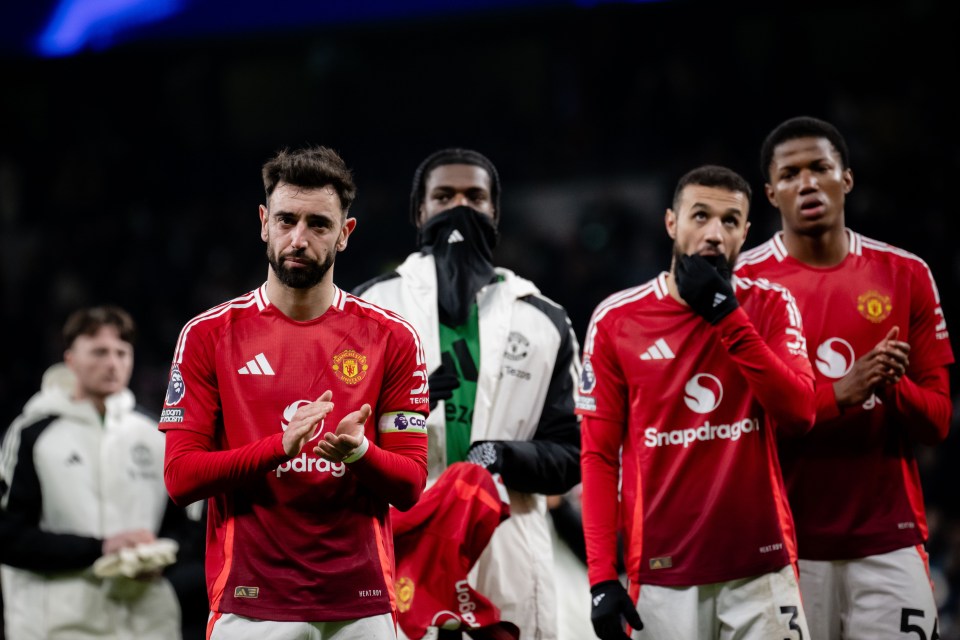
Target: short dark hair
801,127
443,157
712,175
88,321
311,168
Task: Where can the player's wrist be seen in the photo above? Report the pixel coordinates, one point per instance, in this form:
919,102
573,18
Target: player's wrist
359,452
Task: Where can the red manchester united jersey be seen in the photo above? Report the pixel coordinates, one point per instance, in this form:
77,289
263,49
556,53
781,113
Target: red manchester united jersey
702,499
853,481
305,541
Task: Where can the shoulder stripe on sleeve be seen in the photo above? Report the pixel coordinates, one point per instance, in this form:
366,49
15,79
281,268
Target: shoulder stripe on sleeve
242,302
856,242
339,298
877,245
616,300
389,315
261,296
793,311
769,249
797,341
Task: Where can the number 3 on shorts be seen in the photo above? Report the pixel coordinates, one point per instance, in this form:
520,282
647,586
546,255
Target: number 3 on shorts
906,626
793,612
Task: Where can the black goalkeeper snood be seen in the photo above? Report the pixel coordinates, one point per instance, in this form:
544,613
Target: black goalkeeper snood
461,241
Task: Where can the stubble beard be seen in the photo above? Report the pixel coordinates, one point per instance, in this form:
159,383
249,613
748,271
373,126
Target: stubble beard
304,277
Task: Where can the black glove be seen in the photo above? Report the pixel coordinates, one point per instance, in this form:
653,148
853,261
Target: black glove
487,454
442,382
611,605
704,283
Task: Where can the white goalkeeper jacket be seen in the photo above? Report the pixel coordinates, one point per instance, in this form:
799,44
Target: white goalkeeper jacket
68,481
527,377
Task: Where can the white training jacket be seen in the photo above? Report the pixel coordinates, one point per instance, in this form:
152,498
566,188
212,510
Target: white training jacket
528,372
69,481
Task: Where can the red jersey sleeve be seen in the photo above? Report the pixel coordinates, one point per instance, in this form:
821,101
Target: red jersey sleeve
603,387
924,402
194,467
776,364
192,400
396,466
600,464
928,336
922,397
602,402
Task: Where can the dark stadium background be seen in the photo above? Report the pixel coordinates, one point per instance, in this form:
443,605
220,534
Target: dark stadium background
130,152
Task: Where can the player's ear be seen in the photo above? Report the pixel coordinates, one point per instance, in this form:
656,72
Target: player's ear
670,222
69,359
348,226
743,238
770,193
264,214
847,180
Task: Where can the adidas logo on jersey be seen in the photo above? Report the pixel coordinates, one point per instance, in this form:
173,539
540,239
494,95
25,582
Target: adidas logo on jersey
718,298
659,351
257,367
598,598
455,236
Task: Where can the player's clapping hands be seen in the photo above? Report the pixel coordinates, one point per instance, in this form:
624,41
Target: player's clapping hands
304,423
348,440
885,364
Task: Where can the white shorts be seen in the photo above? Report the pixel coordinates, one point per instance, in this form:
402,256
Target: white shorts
758,608
230,626
873,598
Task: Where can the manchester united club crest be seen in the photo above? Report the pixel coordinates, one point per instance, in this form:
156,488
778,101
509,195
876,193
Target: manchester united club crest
874,306
404,594
350,366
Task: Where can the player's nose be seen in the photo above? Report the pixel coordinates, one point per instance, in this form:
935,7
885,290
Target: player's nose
298,237
808,181
714,231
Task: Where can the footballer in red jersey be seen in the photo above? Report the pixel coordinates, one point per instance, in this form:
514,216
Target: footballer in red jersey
299,412
687,380
880,349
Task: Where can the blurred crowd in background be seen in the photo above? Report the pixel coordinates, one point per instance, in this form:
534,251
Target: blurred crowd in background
132,175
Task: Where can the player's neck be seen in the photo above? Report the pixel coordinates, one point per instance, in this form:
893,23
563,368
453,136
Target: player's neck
826,249
301,304
672,287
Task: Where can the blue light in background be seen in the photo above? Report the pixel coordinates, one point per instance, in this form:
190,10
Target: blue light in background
589,4
76,24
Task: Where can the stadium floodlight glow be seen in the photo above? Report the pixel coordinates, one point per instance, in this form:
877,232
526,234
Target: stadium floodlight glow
76,24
